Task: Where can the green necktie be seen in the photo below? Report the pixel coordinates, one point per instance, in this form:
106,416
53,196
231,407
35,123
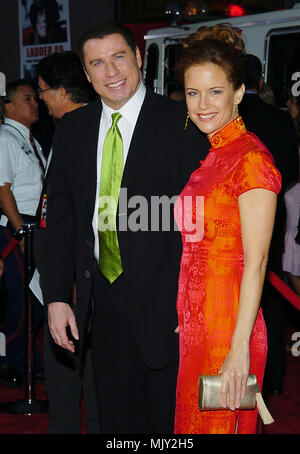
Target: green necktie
111,176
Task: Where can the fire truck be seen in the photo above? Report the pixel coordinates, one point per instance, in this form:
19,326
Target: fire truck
272,36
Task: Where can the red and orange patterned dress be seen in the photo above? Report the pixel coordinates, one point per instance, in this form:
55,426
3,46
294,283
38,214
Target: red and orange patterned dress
211,272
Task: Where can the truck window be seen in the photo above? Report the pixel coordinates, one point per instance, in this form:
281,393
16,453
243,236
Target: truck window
172,53
283,59
152,65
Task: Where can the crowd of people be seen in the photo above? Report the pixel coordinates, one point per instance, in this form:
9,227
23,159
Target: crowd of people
133,314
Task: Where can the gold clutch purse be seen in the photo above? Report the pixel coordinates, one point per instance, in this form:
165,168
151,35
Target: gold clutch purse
209,396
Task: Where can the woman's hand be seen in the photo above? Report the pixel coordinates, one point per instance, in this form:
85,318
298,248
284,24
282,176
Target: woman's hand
235,372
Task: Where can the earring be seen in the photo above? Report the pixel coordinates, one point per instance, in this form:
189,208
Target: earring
237,110
186,121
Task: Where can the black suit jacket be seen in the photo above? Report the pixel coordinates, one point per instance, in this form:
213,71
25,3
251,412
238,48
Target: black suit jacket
159,162
275,129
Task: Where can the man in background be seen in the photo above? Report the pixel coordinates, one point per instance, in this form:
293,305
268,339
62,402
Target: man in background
63,87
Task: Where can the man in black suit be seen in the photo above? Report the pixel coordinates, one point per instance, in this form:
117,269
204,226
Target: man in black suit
275,129
63,88
134,318
272,125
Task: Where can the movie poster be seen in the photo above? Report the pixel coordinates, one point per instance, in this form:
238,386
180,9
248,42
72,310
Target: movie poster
44,28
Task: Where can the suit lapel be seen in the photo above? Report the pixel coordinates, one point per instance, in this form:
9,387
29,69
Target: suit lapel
90,141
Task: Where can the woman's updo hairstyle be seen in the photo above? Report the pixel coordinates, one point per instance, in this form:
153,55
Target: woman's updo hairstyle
220,44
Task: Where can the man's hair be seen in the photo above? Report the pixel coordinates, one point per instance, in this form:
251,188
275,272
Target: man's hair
103,29
64,69
253,71
12,88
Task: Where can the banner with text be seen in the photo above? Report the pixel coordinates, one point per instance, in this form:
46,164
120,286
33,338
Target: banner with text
44,28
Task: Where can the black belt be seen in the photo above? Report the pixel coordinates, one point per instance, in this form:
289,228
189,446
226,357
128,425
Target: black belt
28,219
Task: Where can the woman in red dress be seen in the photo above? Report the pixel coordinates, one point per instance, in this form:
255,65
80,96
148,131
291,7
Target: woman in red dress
221,326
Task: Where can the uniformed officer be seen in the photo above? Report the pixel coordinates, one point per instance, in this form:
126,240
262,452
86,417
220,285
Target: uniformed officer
22,166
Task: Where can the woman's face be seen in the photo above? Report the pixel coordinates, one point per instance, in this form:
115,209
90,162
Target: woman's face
211,100
292,106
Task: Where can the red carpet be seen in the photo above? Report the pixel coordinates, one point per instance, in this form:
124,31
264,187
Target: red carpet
19,424
27,424
284,408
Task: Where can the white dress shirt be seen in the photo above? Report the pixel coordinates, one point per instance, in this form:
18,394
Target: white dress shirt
130,112
20,167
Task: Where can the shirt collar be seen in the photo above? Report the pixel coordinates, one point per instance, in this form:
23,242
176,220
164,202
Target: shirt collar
131,109
16,124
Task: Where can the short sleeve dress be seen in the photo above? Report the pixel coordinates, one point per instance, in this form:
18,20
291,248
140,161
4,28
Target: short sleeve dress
212,265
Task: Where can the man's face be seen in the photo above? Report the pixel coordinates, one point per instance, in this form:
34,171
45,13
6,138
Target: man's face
51,98
113,69
23,106
41,25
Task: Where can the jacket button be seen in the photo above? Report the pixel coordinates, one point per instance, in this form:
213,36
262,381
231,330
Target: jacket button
87,274
88,243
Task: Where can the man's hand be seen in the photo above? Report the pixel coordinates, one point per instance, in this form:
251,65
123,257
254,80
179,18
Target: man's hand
60,315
